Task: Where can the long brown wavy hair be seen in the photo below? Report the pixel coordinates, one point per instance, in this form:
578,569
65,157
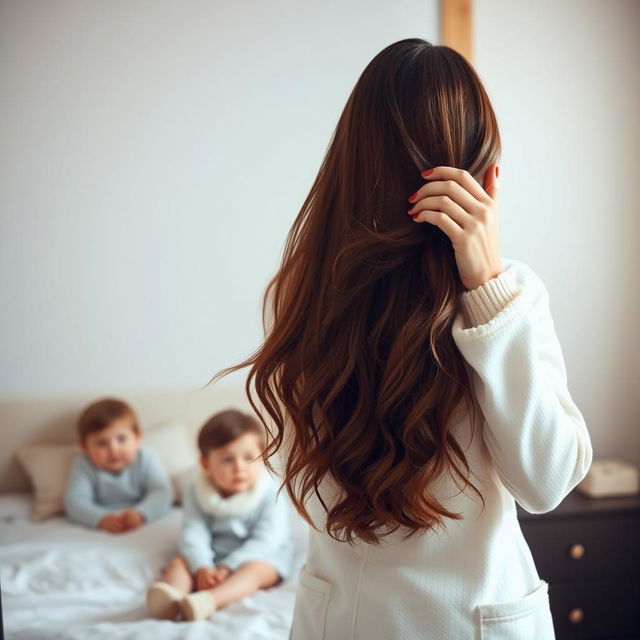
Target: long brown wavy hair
358,359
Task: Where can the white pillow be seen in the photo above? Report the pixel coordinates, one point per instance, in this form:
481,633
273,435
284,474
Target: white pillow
176,449
47,465
15,506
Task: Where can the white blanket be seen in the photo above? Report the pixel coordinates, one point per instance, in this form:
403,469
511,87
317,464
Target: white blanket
60,580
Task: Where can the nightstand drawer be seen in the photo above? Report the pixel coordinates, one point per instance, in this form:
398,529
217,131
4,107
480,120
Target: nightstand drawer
575,549
599,609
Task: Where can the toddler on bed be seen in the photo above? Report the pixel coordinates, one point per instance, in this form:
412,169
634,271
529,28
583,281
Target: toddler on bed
115,484
235,536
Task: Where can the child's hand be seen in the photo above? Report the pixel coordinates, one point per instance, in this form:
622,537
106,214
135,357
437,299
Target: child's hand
131,519
112,523
205,578
222,572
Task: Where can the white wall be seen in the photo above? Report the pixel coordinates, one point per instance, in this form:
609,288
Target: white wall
563,79
154,155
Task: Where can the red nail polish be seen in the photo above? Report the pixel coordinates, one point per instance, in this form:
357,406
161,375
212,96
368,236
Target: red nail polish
411,197
497,171
424,174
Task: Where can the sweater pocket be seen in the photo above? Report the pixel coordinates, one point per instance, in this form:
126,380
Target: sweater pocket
528,618
310,609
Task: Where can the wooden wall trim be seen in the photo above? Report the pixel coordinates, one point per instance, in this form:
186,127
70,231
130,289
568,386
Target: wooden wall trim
456,26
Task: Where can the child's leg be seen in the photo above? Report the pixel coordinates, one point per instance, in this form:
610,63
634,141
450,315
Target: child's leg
164,595
244,581
178,574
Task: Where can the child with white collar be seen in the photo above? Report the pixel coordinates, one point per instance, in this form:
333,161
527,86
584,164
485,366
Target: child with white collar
235,536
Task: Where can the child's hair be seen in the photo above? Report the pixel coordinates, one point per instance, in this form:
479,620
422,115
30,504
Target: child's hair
101,413
226,426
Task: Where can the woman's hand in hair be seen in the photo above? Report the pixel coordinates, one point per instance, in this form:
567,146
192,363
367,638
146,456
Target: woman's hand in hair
454,201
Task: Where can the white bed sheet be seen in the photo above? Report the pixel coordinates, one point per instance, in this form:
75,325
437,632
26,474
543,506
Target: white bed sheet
61,580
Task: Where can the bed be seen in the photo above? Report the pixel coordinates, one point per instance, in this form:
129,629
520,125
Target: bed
61,580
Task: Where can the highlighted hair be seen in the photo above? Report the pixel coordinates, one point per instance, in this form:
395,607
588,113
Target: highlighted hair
358,371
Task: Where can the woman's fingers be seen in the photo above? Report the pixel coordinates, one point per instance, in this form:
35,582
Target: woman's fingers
440,203
455,202
440,195
459,196
459,177
442,221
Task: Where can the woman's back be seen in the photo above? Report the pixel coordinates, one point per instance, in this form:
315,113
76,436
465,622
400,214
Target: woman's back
477,573
392,306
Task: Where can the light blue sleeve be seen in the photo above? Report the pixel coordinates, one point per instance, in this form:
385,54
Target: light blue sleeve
157,485
269,532
195,538
79,500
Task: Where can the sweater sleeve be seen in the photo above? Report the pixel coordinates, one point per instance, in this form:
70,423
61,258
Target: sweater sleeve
157,487
79,500
535,433
195,538
268,533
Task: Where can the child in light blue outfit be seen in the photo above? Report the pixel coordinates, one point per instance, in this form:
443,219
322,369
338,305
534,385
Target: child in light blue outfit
116,484
237,529
236,535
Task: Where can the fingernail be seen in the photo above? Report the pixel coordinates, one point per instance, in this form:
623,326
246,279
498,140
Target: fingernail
424,174
411,197
497,171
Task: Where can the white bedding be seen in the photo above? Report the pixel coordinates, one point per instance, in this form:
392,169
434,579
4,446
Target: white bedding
60,580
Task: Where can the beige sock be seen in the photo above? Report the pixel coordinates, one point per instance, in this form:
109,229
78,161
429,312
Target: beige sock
198,606
163,600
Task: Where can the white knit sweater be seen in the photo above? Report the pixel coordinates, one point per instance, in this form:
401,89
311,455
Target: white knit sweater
476,579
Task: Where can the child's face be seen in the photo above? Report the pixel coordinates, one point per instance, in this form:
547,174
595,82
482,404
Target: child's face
236,466
113,448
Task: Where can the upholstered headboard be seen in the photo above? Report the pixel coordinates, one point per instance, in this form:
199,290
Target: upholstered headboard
52,419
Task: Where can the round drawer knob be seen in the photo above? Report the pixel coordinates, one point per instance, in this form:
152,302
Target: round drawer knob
576,551
576,615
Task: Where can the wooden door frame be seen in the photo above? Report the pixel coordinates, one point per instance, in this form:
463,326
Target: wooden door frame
456,26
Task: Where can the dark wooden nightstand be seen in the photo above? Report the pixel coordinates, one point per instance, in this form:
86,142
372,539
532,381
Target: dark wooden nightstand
588,550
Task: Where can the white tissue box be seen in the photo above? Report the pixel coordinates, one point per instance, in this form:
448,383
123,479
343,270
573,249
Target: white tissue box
610,478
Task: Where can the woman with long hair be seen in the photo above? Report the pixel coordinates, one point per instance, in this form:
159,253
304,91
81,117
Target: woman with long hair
411,379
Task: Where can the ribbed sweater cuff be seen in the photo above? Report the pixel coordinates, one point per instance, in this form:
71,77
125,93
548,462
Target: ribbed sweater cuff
487,300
